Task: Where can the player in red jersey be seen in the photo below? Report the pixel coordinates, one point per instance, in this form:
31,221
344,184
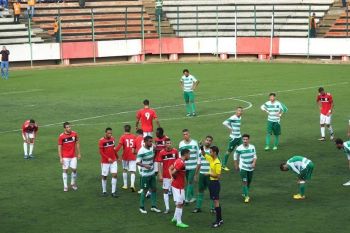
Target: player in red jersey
127,142
29,131
159,142
325,102
167,156
146,116
177,173
108,161
68,152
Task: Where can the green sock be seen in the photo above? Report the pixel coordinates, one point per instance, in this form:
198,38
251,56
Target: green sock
190,191
188,108
277,138
268,139
245,190
212,204
199,200
225,160
193,107
302,189
187,191
154,198
142,199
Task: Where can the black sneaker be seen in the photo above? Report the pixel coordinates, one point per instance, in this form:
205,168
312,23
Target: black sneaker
31,156
196,210
115,195
221,222
216,224
104,194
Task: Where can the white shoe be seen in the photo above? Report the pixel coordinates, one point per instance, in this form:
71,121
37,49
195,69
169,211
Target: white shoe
140,191
65,189
143,211
347,183
322,139
192,200
74,187
155,209
331,137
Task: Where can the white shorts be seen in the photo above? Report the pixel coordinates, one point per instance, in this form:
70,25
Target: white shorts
156,166
166,183
147,134
324,119
109,167
179,195
129,165
28,135
70,163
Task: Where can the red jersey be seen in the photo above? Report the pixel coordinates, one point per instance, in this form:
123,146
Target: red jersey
160,145
326,102
107,150
168,158
179,177
146,116
127,141
26,128
68,142
138,143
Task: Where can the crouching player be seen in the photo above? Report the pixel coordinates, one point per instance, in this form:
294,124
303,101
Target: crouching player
29,131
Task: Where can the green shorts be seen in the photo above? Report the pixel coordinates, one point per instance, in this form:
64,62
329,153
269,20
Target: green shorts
273,127
190,176
148,182
203,182
246,176
189,96
307,172
233,143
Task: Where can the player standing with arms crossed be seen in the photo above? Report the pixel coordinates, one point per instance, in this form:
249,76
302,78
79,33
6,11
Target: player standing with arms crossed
29,131
325,102
189,84
146,115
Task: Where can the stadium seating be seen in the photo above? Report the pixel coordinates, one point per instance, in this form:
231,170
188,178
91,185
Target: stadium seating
199,17
341,26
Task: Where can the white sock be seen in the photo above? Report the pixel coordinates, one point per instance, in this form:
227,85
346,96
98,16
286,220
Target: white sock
73,178
114,184
330,129
104,185
323,133
125,179
25,147
179,215
31,147
65,178
166,200
132,179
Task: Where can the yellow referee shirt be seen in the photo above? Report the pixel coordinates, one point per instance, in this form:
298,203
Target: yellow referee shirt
215,166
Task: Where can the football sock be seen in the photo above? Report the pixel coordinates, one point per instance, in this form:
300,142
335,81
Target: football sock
166,200
302,189
245,190
199,200
25,147
104,185
31,147
65,178
125,179
175,213
277,139
330,129
154,198
323,133
218,213
132,179
225,160
142,199
193,107
268,139
189,191
73,178
114,184
188,108
178,215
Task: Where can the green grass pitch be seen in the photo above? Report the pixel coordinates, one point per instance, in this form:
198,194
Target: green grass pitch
93,98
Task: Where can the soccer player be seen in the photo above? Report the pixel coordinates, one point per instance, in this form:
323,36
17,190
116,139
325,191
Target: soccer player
159,145
245,154
146,115
108,161
68,152
168,156
138,144
274,110
214,184
345,146
303,167
127,142
145,158
177,172
325,102
191,163
188,84
29,131
234,126
203,168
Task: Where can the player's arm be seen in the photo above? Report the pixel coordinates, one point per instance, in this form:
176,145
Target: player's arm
332,106
227,125
172,171
195,85
77,147
138,116
292,166
157,122
198,167
236,160
139,163
181,84
349,129
254,161
60,153
160,171
263,108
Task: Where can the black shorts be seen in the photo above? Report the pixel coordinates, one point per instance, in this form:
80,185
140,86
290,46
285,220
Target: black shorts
214,189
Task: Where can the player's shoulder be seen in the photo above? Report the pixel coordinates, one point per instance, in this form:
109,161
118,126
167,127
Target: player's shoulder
101,139
74,133
61,135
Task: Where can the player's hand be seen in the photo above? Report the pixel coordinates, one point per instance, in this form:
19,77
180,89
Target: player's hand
236,168
160,179
195,178
61,161
110,160
28,140
79,156
253,165
147,166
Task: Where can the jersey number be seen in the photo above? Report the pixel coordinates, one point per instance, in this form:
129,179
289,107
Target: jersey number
129,143
147,115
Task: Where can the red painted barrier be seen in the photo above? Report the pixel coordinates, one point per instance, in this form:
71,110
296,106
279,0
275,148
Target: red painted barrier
257,45
79,50
169,46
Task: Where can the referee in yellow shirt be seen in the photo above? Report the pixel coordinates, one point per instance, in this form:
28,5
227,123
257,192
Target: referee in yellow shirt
214,184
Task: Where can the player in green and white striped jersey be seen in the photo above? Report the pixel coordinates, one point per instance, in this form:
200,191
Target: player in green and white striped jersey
234,125
191,163
274,110
303,167
203,168
145,159
246,155
345,146
188,85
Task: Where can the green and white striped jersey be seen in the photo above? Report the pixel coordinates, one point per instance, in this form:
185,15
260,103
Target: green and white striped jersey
273,110
191,164
297,163
188,82
246,156
205,166
146,156
347,149
234,123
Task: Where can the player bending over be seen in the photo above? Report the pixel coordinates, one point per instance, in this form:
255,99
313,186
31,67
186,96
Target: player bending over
29,132
345,146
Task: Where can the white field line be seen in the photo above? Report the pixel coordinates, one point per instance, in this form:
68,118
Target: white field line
177,105
20,92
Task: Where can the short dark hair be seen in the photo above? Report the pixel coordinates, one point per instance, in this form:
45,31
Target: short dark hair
245,136
282,166
272,93
65,124
339,141
185,70
160,130
240,107
215,149
127,128
147,138
139,131
146,102
184,152
185,130
108,129
167,140
31,121
320,89
209,136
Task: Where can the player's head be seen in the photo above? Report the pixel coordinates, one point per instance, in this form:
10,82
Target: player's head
146,102
127,128
321,90
148,140
108,132
186,134
245,139
66,126
3,47
239,111
339,143
31,123
208,140
185,154
214,151
314,14
160,132
186,72
168,144
284,167
139,132
272,96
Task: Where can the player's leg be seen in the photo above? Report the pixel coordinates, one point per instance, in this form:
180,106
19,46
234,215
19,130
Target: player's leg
322,126
144,185
329,126
153,189
179,197
104,174
25,145
190,178
65,166
73,180
249,178
277,132
245,189
114,171
31,145
166,185
125,174
200,194
192,104
132,170
187,102
268,135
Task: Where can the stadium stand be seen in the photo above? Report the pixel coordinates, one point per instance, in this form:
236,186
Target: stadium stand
199,17
340,22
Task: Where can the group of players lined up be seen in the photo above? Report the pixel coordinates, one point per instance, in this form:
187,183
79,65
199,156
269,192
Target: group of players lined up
197,162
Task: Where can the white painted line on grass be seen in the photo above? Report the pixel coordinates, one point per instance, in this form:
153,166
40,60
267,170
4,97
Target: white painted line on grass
20,92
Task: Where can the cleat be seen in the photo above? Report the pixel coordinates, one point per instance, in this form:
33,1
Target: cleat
194,114
142,210
221,222
322,139
274,148
216,224
298,197
155,209
267,148
25,157
125,187
188,114
31,157
212,211
115,195
347,183
246,199
133,189
331,137
104,194
140,191
182,225
226,169
74,187
196,210
65,189
192,200
166,211
173,220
